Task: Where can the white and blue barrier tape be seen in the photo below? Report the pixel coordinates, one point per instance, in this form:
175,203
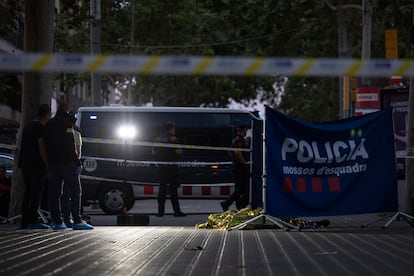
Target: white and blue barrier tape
204,65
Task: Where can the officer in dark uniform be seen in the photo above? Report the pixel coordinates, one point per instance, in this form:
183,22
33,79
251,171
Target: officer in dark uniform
33,163
64,166
169,172
241,171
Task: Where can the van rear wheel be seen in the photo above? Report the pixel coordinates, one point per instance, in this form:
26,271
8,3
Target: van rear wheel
113,198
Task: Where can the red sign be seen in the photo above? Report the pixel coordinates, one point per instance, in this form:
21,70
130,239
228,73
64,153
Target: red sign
368,97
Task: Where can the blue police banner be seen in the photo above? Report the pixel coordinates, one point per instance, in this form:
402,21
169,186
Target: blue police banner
336,168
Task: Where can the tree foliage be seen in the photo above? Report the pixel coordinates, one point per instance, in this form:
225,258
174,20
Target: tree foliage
299,28
10,91
10,88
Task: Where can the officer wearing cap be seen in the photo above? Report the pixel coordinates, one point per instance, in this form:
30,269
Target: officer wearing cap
240,170
168,172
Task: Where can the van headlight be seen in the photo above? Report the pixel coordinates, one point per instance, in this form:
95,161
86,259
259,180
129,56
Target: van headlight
126,132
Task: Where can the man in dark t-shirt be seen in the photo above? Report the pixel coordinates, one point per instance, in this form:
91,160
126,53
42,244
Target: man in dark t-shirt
32,161
64,166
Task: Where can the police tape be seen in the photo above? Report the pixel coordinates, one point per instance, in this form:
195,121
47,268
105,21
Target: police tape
138,183
204,65
135,162
154,144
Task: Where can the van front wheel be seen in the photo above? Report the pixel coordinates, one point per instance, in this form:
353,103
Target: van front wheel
113,198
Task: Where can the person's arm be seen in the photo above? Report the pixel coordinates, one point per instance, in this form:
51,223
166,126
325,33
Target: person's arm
78,150
78,143
240,157
5,188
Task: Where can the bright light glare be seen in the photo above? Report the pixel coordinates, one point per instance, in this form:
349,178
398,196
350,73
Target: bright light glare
127,132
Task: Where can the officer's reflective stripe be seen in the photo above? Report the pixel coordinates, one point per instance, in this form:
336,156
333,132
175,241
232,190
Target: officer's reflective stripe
6,146
69,130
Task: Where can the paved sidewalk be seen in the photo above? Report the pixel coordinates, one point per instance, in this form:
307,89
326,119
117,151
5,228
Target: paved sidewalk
344,248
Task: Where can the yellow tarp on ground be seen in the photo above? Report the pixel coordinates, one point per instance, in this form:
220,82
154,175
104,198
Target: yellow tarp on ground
229,219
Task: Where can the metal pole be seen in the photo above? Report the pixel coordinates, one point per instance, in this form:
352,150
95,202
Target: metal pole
251,163
132,41
96,49
366,34
264,163
409,168
342,52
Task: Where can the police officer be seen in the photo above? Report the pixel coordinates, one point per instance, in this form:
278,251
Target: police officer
169,172
64,166
240,170
33,163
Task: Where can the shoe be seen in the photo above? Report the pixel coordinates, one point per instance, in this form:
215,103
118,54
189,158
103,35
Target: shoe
87,219
20,227
69,224
38,226
179,214
55,226
224,206
82,226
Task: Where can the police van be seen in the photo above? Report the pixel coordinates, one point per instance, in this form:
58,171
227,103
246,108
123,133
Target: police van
119,164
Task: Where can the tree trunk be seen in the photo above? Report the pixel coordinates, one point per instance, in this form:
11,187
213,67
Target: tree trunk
37,87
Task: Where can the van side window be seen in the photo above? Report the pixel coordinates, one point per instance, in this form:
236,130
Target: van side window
197,139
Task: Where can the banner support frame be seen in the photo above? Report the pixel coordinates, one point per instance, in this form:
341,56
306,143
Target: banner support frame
276,221
391,218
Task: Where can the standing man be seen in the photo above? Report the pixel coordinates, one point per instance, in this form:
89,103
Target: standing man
66,200
63,167
33,163
241,171
168,172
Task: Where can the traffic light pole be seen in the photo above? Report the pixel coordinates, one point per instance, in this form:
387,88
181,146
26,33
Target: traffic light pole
95,28
409,174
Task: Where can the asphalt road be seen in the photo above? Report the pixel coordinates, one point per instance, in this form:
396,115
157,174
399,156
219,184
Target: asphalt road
197,211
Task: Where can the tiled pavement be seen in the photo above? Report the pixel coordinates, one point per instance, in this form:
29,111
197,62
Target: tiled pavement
344,248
